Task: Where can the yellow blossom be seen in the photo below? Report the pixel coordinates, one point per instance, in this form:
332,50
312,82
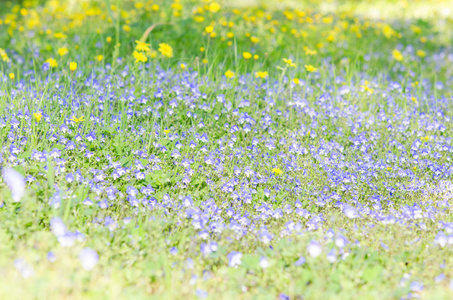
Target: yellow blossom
38,116
296,81
142,46
11,75
72,66
3,55
60,35
77,120
416,29
261,74
214,7
388,31
310,68
139,57
247,55
99,57
277,171
209,29
229,74
108,39
289,62
63,51
366,88
166,50
183,66
52,62
420,53
254,39
152,53
199,19
397,55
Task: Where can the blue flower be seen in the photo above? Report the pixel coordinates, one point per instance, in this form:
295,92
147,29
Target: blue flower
234,259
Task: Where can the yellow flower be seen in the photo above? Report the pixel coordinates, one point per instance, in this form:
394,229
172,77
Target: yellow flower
63,51
209,29
214,7
183,66
204,61
254,39
139,57
199,19
414,100
261,74
310,68
416,29
230,35
99,57
72,66
152,53
247,55
142,46
202,49
108,39
388,31
296,81
366,88
11,75
289,62
420,53
256,56
167,131
127,28
38,116
277,171
229,74
60,35
52,62
397,55
309,51
77,120
165,50
3,55
155,7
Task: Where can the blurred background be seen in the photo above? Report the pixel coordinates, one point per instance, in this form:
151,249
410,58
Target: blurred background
379,9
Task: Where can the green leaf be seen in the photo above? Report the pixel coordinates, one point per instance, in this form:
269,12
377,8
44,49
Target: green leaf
372,273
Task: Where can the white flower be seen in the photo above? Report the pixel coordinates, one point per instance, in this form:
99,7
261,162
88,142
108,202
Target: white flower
16,183
350,211
314,249
24,268
264,262
89,258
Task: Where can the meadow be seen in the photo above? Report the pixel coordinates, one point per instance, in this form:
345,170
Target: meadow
208,149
